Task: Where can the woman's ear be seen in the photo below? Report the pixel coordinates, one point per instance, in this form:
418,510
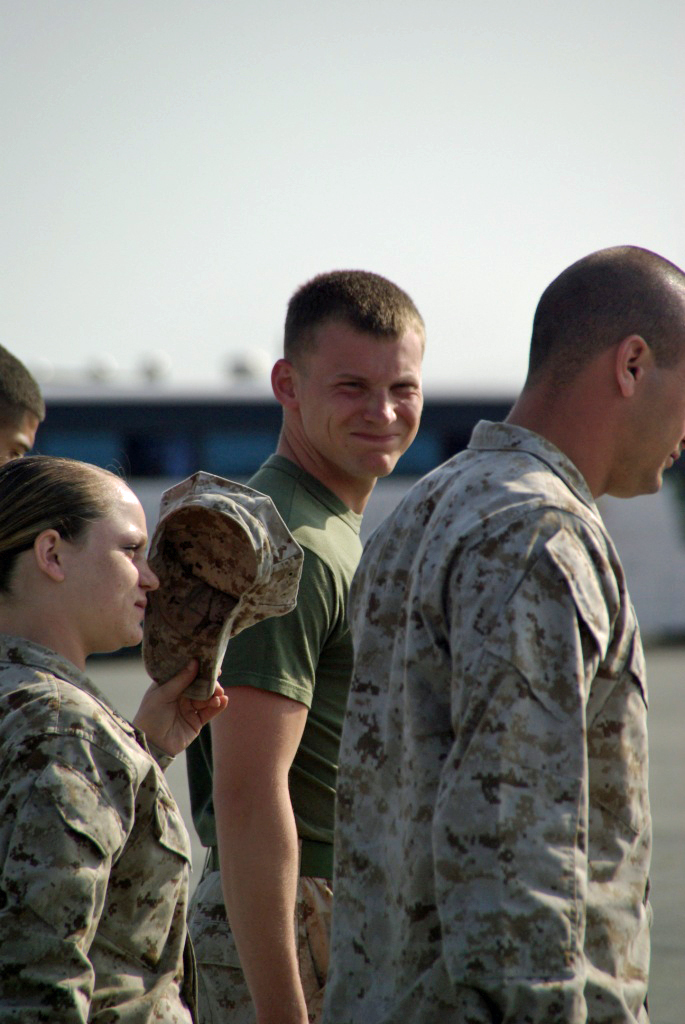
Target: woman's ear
48,549
284,383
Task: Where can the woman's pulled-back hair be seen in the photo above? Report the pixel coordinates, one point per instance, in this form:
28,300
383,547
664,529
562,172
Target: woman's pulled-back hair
43,492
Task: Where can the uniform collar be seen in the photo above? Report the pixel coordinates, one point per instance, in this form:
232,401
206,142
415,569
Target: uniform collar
489,436
16,650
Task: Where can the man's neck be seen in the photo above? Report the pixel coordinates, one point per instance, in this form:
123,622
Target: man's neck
352,491
569,422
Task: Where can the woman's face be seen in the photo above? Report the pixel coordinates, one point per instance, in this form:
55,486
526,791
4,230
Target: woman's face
108,575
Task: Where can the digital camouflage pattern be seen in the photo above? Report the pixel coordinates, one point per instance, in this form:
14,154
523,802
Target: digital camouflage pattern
94,857
225,560
224,995
493,833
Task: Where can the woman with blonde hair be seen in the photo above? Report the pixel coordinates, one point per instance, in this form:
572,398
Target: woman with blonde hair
94,855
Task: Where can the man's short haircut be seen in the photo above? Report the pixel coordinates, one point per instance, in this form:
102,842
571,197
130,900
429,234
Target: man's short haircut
602,299
368,302
19,392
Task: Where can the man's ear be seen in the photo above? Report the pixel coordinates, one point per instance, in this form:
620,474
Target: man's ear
284,383
48,549
633,358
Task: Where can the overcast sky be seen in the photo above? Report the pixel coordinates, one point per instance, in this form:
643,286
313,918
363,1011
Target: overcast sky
171,170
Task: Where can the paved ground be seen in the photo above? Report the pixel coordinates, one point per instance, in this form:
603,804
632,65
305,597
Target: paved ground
123,681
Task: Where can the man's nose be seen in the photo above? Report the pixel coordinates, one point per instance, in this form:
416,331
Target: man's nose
380,407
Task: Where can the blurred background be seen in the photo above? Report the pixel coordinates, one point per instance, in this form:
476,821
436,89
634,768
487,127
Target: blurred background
172,170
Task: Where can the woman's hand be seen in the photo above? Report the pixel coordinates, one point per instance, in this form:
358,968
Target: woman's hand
172,721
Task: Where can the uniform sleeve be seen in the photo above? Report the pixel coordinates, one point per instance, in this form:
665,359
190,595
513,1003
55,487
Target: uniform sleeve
54,881
281,654
511,819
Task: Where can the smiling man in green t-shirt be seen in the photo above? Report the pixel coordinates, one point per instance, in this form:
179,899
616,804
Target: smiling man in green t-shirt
263,797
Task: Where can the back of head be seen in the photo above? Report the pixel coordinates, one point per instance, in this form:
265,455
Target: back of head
42,492
19,391
602,299
367,302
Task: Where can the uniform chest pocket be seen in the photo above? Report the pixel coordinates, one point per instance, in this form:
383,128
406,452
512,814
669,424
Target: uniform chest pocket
148,887
170,828
617,752
61,845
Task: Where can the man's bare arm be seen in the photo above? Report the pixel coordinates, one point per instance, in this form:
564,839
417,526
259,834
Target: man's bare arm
253,749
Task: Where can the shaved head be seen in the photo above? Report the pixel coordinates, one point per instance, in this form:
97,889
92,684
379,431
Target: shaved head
602,299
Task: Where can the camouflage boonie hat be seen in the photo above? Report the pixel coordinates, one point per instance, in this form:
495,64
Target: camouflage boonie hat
225,560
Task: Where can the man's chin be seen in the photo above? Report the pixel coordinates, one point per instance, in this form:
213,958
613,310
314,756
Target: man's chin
384,466
637,489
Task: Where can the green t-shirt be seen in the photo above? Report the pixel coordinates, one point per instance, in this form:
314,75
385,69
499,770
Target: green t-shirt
305,655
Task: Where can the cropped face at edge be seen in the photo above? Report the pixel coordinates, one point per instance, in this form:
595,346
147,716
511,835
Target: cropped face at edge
657,430
662,437
18,437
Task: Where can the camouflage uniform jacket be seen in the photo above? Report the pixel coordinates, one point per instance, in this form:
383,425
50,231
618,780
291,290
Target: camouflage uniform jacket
94,857
493,833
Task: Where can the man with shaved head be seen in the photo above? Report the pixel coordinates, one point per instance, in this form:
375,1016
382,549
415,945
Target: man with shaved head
493,831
